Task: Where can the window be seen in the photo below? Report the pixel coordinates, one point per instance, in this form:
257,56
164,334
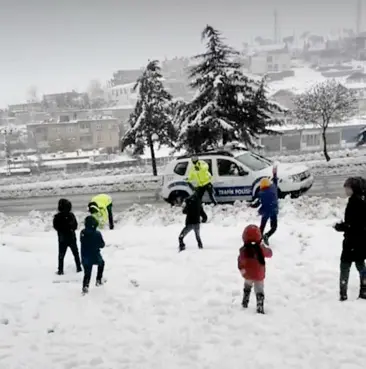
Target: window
86,140
253,161
181,168
312,139
269,59
98,127
99,137
227,168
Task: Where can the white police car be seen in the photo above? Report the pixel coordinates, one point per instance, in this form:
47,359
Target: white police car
235,176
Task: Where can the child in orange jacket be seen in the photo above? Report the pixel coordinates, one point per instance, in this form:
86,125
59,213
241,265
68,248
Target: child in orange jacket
252,265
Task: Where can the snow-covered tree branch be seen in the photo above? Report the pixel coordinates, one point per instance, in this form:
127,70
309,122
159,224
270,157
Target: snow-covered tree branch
228,106
327,102
151,121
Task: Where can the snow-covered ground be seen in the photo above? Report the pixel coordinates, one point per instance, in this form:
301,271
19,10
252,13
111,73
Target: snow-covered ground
161,309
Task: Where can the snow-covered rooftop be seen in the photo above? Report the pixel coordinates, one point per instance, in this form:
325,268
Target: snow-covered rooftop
305,78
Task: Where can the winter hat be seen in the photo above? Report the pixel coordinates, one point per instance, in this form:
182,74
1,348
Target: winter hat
90,222
64,205
252,234
264,183
93,208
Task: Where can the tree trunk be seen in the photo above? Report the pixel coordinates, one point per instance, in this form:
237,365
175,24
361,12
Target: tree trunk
325,150
153,159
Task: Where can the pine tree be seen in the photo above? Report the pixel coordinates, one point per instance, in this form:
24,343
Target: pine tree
229,106
251,111
203,125
150,121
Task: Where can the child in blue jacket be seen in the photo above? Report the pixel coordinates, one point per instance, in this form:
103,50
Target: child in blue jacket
91,241
268,197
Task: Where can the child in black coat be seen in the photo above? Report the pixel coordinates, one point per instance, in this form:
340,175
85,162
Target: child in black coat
194,212
354,229
64,222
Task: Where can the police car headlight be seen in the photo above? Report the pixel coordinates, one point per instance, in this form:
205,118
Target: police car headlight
295,178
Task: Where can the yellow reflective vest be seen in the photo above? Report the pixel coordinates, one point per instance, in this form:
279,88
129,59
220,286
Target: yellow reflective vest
103,201
199,174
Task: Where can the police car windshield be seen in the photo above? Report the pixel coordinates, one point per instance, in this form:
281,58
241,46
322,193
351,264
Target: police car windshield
254,162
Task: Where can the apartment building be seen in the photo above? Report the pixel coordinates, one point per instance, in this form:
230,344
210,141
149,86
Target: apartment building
73,135
26,107
270,61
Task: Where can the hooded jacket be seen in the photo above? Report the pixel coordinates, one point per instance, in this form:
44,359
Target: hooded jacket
100,203
194,210
269,199
91,241
64,222
199,174
251,261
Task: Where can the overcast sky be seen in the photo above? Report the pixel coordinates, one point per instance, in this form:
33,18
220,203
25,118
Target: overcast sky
60,45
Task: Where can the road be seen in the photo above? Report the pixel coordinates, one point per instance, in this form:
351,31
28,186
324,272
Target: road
329,186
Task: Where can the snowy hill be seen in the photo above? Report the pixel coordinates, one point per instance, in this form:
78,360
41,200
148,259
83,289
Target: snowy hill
160,309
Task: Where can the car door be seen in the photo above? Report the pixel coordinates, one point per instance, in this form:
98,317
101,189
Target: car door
232,181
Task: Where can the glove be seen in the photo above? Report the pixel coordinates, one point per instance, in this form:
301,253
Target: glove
340,227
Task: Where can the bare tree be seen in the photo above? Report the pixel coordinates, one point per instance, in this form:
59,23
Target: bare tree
327,102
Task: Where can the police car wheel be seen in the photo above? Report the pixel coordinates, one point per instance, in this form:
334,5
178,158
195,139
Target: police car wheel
256,194
177,197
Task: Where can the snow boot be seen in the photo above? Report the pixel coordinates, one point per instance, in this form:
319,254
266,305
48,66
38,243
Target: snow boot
260,303
343,291
85,290
266,240
99,282
246,297
78,269
200,246
182,246
60,272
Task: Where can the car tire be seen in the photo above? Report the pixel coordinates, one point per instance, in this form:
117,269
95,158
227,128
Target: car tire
256,194
176,198
295,195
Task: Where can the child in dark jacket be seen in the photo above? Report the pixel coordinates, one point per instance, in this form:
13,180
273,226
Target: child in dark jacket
64,222
91,242
268,197
194,212
354,229
252,265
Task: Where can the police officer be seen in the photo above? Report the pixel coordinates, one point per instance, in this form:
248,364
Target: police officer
100,207
199,176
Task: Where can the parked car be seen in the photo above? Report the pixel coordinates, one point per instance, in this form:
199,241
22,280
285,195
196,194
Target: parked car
236,176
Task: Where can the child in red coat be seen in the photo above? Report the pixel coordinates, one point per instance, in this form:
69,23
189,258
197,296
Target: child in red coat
252,265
